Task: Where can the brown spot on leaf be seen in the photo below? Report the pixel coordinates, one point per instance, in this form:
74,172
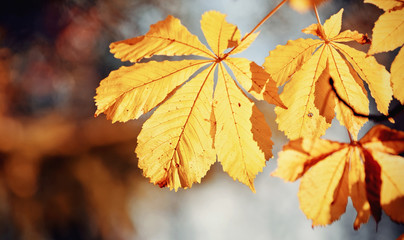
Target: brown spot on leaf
364,40
162,183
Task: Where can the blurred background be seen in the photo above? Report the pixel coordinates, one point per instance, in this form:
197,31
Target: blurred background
67,175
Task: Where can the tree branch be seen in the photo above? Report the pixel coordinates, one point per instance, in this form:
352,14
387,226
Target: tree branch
373,117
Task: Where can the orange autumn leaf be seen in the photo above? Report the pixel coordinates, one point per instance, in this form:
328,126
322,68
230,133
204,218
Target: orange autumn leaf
369,171
304,5
388,34
194,123
397,76
303,64
386,5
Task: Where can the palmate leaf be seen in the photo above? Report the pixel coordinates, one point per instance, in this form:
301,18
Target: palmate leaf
193,123
304,65
369,171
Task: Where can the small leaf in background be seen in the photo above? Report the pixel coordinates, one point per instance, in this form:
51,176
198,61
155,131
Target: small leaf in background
304,5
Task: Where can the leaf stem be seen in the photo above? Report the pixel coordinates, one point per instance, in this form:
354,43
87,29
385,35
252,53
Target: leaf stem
258,25
320,26
350,136
317,16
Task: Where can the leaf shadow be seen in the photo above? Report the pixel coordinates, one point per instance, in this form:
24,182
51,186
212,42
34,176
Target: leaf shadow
261,132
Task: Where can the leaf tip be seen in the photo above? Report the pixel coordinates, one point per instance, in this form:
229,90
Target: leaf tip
372,51
282,106
253,188
97,113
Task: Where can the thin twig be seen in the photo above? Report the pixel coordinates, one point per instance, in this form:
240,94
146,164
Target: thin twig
373,117
264,19
258,25
320,26
317,16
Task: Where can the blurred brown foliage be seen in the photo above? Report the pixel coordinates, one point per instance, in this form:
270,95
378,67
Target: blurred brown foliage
63,173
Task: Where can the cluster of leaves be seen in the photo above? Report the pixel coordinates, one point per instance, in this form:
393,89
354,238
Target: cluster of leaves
199,120
369,171
388,35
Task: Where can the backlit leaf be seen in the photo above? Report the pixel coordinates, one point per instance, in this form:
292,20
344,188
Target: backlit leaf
371,172
193,124
388,32
129,92
384,139
285,60
386,5
309,109
332,26
237,146
168,37
219,34
302,118
392,192
243,45
175,138
350,91
321,188
299,155
374,74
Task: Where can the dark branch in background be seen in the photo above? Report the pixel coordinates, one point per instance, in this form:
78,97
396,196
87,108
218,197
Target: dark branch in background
373,117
